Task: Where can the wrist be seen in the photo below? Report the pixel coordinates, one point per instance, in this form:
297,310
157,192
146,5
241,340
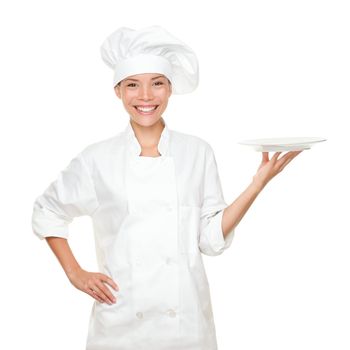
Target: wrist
257,185
72,270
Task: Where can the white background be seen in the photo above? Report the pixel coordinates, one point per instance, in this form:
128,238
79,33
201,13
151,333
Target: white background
267,69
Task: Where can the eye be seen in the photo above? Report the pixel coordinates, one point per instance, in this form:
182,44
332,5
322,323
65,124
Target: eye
158,83
131,85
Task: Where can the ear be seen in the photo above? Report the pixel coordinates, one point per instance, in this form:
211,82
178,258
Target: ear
117,91
170,89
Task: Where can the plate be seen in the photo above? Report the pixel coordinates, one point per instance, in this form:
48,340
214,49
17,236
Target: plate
281,144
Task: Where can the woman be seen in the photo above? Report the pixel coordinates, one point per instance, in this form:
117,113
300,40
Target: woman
156,203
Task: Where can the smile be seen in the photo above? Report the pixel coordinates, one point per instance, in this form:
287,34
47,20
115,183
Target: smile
146,109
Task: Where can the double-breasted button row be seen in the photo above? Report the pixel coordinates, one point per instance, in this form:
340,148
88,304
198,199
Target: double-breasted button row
170,312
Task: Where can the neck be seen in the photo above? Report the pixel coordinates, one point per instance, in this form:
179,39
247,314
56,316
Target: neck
148,136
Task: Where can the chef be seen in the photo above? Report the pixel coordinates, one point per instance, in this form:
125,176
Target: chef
156,204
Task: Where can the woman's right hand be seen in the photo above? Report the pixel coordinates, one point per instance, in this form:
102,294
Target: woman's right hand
93,283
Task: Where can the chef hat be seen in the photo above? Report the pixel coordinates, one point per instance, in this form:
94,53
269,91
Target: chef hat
151,50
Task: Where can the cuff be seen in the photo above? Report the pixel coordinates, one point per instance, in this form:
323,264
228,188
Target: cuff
216,237
46,223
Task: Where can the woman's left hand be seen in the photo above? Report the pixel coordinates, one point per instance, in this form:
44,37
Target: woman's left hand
270,168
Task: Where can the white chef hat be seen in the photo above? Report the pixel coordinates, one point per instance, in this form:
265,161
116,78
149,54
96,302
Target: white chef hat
151,50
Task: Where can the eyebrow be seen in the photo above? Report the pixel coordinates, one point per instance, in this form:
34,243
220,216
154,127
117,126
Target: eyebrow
159,76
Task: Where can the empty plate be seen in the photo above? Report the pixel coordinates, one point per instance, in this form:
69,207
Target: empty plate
281,144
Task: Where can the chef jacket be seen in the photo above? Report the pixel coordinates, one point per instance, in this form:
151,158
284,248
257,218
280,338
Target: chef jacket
152,218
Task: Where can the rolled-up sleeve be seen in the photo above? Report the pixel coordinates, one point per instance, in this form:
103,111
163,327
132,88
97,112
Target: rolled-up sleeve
72,194
211,237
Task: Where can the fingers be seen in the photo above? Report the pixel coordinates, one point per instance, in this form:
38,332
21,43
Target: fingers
269,168
265,157
275,156
99,291
290,154
105,293
109,281
95,295
282,162
285,163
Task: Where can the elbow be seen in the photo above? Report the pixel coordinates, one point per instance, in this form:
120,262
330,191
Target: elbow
207,249
211,237
45,223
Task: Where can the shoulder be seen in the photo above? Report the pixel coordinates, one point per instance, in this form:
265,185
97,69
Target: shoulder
190,141
102,147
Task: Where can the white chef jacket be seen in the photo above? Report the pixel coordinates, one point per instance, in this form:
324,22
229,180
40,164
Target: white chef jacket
152,218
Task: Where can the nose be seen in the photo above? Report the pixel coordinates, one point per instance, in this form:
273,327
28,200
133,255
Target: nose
146,93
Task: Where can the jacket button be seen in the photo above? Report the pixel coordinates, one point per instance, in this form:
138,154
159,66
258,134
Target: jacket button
139,315
171,313
168,261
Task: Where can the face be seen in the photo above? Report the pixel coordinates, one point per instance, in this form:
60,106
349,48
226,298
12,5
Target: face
144,96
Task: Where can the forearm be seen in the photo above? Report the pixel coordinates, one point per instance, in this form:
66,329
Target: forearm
64,254
234,212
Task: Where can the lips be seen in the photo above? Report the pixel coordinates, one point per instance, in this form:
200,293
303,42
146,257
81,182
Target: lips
146,109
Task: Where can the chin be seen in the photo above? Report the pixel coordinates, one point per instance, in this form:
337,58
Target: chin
145,121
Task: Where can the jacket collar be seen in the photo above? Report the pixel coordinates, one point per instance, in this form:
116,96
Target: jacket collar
134,146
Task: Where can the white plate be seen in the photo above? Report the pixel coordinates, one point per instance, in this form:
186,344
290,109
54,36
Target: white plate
281,144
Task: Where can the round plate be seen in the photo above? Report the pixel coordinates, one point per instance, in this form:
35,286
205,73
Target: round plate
281,144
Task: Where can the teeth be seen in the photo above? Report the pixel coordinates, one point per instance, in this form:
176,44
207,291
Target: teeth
146,109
